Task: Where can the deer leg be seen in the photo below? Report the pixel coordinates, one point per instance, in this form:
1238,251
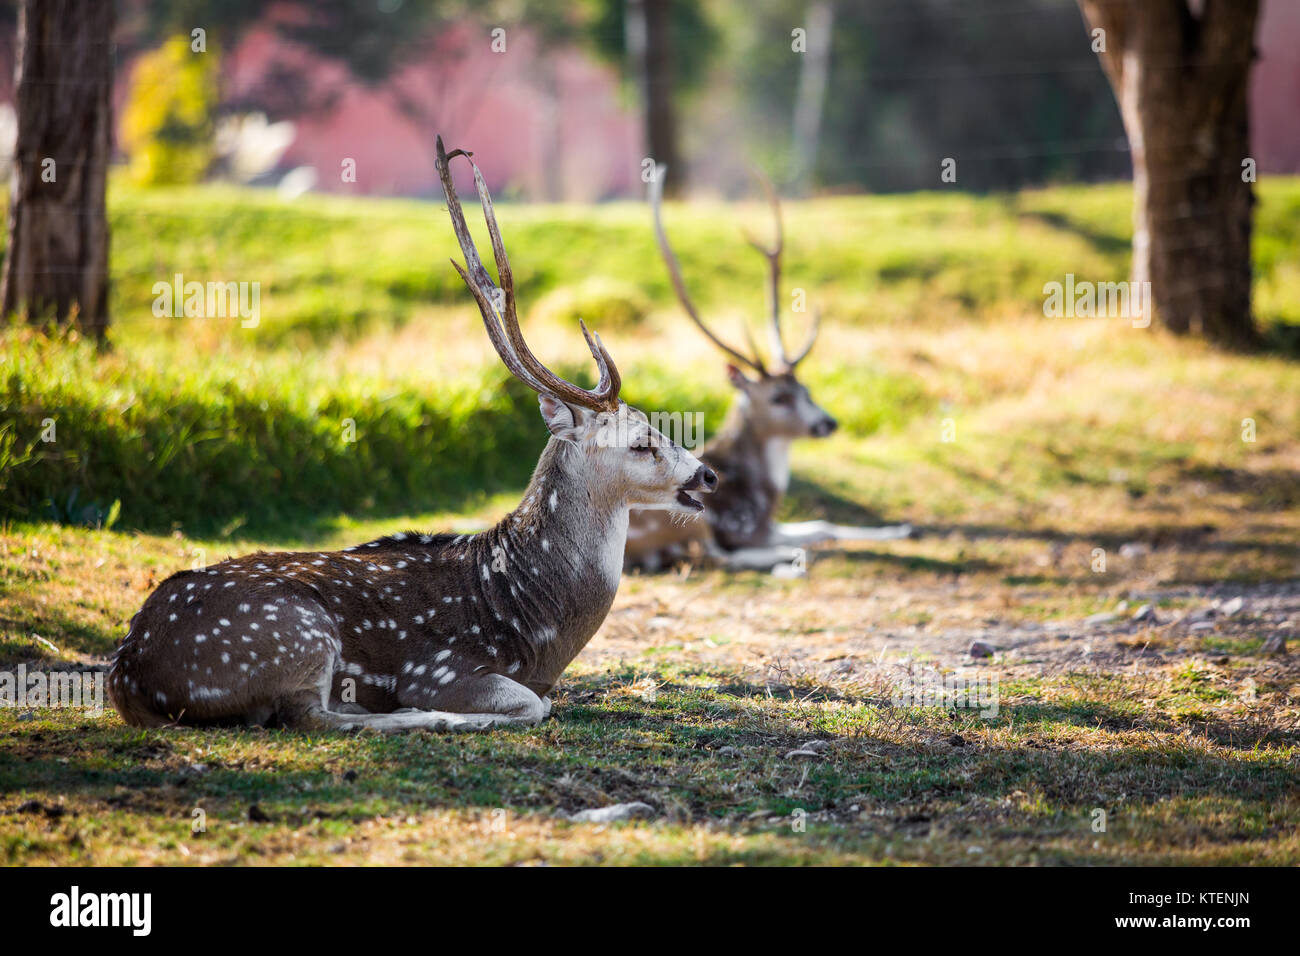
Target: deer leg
395,723
488,701
765,558
813,532
489,697
803,532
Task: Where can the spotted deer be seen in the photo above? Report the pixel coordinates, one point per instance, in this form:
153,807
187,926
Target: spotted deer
751,452
422,631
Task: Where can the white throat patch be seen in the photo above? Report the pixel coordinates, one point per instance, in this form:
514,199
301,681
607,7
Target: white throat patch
776,458
611,558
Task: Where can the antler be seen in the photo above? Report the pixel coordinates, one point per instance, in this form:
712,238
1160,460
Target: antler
812,337
498,305
773,257
675,274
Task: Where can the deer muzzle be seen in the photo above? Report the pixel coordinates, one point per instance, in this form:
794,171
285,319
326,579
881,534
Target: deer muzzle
704,480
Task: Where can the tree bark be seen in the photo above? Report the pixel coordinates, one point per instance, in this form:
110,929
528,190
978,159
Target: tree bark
56,265
814,71
1182,82
654,35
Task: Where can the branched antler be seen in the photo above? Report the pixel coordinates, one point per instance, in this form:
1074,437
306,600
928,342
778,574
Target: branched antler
773,257
498,304
780,357
679,286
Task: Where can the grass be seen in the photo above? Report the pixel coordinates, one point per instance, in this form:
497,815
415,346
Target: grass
365,359
1093,468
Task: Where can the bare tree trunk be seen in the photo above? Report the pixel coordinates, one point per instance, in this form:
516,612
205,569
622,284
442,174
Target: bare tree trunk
57,260
813,74
649,36
1182,82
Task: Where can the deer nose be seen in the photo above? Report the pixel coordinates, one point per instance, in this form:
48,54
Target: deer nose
825,427
703,480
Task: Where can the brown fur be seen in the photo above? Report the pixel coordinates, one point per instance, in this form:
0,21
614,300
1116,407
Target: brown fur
742,512
454,624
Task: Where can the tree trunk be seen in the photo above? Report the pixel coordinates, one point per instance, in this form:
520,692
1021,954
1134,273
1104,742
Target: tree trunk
650,29
1182,83
56,266
814,71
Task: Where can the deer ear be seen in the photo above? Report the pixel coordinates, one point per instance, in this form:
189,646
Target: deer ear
564,422
736,377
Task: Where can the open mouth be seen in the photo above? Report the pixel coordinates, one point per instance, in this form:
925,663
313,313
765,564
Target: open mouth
685,499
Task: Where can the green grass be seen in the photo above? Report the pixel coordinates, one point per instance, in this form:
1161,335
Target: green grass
205,425
195,439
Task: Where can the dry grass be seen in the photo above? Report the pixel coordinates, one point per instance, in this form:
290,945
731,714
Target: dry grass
1071,437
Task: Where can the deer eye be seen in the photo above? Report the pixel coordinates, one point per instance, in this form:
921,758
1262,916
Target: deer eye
784,398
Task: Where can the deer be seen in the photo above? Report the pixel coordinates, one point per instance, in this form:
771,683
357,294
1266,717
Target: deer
751,451
418,631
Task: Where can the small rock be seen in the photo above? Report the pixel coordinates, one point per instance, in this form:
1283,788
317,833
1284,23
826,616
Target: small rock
727,752
1202,626
980,649
1200,614
1134,549
659,622
788,571
1219,660
1121,607
611,814
1276,644
816,746
1146,612
1229,608
1105,617
257,815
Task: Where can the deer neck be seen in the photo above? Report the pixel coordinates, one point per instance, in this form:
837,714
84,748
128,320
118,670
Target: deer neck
769,453
562,553
776,458
583,520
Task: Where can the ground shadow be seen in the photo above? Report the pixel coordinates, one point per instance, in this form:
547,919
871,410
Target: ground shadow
807,500
1272,489
917,563
1104,242
606,746
1156,536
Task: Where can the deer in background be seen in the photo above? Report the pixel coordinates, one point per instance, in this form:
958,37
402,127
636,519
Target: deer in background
751,453
422,631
